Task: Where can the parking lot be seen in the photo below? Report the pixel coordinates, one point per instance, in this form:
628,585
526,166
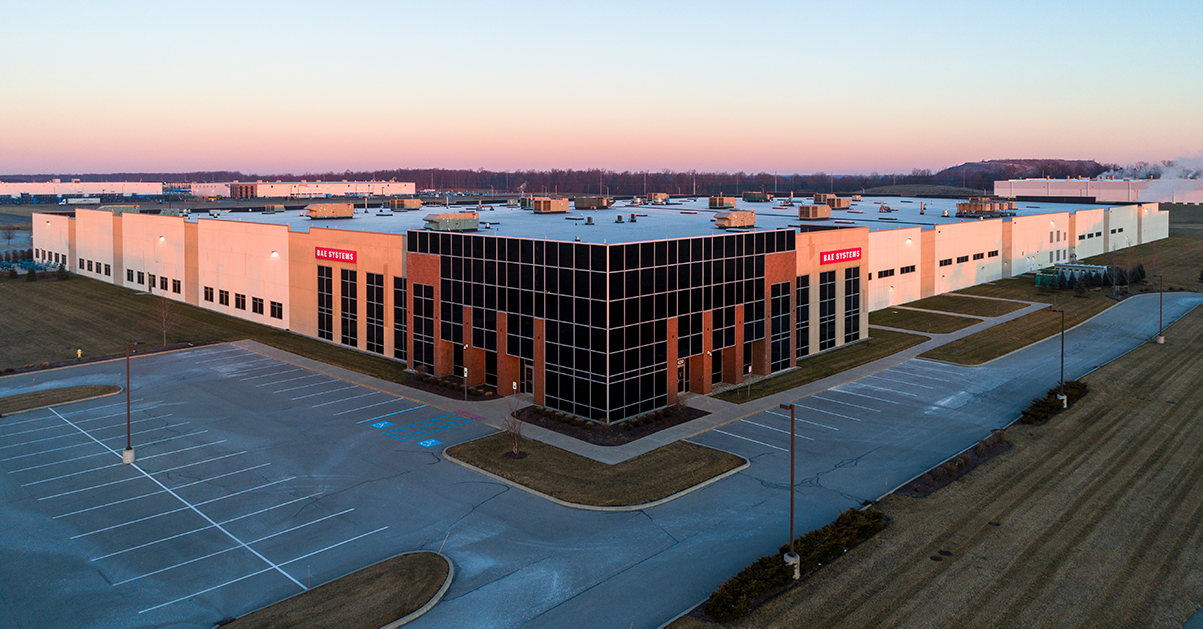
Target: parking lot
248,485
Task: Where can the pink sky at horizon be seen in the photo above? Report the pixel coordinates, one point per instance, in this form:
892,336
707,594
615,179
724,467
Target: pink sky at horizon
314,88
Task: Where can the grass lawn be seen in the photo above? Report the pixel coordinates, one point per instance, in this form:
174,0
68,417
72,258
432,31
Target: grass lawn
967,305
1017,333
920,321
882,343
573,478
1179,258
367,599
46,321
53,397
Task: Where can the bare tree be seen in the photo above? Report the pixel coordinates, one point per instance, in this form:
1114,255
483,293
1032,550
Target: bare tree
8,232
513,429
165,317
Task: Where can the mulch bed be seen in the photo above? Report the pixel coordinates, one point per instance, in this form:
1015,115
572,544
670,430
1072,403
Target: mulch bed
609,434
927,484
450,389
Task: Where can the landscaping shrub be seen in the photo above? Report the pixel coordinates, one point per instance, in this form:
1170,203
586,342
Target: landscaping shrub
1043,408
12,273
61,273
769,573
31,275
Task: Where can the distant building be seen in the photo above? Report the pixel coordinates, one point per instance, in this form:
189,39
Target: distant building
1103,190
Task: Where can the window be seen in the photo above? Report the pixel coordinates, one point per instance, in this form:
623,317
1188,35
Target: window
1081,236
350,302
826,310
423,325
946,262
400,324
325,303
992,254
256,305
239,301
1050,237
223,297
907,269
779,328
129,274
150,281
1121,230
1098,234
208,293
140,278
375,312
978,256
175,284
89,265
851,304
1113,231
277,311
107,270
885,273
81,264
1050,257
163,282
961,259
802,316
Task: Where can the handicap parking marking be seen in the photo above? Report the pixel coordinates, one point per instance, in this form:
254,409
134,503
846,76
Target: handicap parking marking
430,443
382,424
423,428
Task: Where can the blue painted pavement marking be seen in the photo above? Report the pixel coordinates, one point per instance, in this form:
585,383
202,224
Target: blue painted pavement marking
391,414
427,427
429,443
382,424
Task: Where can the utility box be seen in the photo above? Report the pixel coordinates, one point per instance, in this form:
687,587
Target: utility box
405,204
757,197
330,210
546,205
657,198
453,222
839,203
736,218
813,212
722,203
592,203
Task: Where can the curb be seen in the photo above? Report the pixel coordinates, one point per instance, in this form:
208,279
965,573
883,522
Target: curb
101,361
438,596
120,390
584,507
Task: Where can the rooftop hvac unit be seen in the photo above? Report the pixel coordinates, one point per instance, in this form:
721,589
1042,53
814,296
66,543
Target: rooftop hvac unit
588,220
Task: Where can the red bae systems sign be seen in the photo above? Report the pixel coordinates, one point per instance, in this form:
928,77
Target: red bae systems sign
338,255
843,255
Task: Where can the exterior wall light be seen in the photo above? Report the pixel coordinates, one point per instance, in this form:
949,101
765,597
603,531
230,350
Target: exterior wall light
275,255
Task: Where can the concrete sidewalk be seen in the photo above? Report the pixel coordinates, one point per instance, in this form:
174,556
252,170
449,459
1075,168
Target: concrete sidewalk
720,412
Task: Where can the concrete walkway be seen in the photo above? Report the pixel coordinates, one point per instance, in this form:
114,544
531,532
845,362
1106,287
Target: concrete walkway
720,412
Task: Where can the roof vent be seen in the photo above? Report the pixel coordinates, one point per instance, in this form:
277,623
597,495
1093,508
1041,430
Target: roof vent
618,219
632,218
588,220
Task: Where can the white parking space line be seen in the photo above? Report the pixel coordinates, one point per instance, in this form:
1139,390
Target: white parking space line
804,421
206,528
190,506
784,432
894,391
354,386
77,445
187,507
368,406
305,386
78,458
274,363
126,480
155,493
827,399
268,375
811,408
866,396
268,384
206,590
390,414
213,360
84,421
219,350
916,375
246,545
96,408
189,448
136,421
909,384
25,443
730,434
347,399
242,578
937,367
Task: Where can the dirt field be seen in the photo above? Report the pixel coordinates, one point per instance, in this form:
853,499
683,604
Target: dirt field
1093,519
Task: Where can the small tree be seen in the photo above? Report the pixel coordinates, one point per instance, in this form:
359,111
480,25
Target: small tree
165,317
31,275
1201,276
61,273
8,232
12,273
512,426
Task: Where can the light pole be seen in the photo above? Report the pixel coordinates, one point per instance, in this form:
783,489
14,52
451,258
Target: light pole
791,558
127,457
1160,303
1061,396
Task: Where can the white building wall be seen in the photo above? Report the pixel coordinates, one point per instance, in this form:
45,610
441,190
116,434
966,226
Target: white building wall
94,242
83,188
1154,222
973,241
1122,227
52,233
209,189
154,244
893,250
1106,190
1090,231
1039,241
321,189
248,259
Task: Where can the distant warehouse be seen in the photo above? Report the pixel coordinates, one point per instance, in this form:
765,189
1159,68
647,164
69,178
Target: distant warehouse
1115,190
605,317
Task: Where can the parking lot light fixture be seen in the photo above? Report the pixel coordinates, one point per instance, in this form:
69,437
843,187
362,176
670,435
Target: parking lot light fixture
127,456
1061,396
1160,304
791,558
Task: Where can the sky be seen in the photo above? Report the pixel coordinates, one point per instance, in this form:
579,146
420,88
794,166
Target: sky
791,87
